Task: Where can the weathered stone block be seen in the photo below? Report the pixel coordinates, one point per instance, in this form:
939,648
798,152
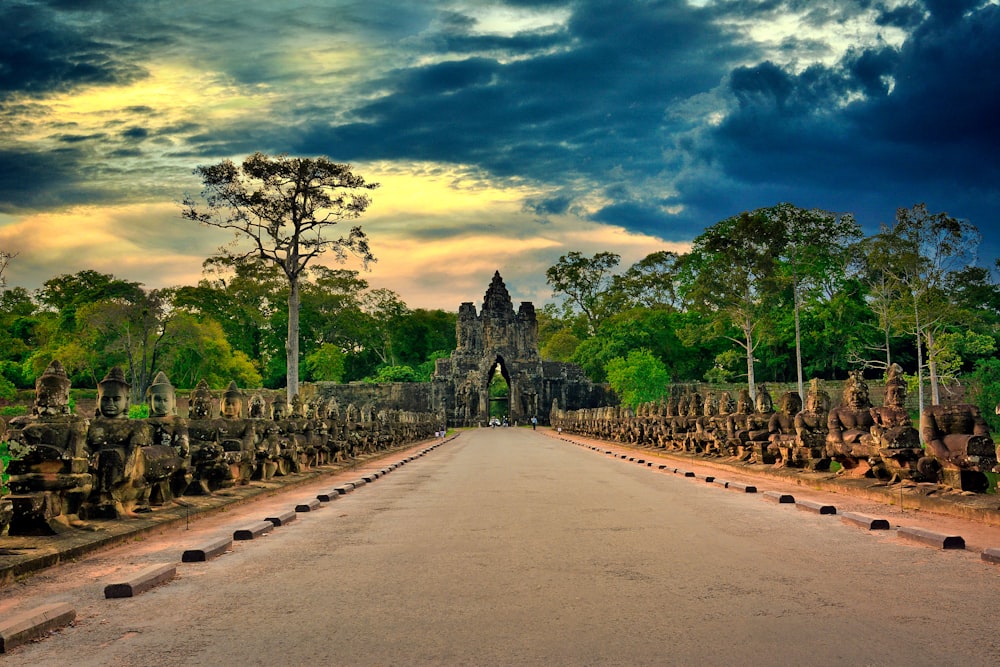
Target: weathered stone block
141,581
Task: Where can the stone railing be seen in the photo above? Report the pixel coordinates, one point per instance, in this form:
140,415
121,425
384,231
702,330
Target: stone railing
70,468
952,447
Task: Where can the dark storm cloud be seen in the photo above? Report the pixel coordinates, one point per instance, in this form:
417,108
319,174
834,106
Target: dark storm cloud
44,50
652,107
882,128
591,104
63,184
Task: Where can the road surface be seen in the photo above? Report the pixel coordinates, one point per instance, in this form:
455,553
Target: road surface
509,547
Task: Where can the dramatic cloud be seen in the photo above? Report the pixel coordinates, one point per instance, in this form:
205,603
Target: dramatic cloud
497,128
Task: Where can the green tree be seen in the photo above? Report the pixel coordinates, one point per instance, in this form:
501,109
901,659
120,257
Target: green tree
586,283
246,298
638,378
561,346
285,208
325,364
920,255
394,374
731,276
136,329
650,283
814,255
384,312
200,350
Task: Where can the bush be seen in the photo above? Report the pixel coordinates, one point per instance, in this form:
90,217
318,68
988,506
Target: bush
986,392
393,374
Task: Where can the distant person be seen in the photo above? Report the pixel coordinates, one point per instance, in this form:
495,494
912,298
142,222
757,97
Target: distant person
534,422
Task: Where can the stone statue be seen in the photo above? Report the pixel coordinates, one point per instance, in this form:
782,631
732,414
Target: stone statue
892,433
849,427
811,428
959,439
129,466
210,469
290,460
781,427
236,435
169,431
51,479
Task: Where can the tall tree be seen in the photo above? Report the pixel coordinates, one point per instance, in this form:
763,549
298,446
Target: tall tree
284,209
814,255
651,282
586,283
731,277
138,329
922,254
245,298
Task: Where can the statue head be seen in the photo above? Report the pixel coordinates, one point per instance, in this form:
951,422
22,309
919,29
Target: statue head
333,409
763,403
231,405
743,402
817,400
726,403
298,406
201,401
52,391
711,407
256,406
895,387
279,407
160,397
790,403
856,392
694,405
112,395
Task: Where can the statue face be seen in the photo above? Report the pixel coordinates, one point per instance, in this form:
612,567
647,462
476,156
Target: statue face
790,403
856,398
895,396
231,407
161,401
114,401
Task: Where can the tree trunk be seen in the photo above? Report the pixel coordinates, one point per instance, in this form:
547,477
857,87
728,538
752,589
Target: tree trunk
751,379
932,368
292,342
920,362
798,343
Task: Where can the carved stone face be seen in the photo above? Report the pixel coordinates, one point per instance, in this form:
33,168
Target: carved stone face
113,400
856,394
256,407
231,406
817,402
763,403
279,409
162,401
895,395
790,403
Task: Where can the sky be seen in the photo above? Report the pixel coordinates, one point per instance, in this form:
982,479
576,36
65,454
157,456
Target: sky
503,134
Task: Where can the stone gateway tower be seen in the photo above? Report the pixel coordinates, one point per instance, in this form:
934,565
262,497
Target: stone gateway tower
498,340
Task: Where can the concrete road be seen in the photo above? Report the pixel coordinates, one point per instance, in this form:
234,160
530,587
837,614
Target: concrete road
507,547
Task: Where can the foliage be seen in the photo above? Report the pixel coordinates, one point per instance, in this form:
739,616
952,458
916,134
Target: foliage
560,346
649,283
425,370
986,380
138,411
325,364
282,210
585,282
393,374
638,378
